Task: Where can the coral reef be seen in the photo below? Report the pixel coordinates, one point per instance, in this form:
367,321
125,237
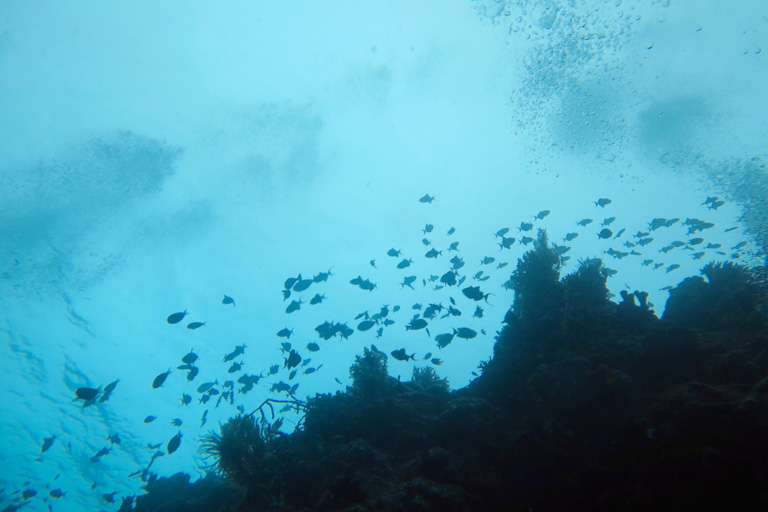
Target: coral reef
586,405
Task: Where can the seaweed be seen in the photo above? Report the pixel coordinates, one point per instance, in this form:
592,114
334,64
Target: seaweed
369,374
426,378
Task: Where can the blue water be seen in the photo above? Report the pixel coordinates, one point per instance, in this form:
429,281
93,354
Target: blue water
155,157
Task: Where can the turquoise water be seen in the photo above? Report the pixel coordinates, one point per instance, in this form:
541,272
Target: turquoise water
155,158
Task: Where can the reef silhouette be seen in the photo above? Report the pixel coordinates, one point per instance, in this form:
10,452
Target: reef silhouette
586,404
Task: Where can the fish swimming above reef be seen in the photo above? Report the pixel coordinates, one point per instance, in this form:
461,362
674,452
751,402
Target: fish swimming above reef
405,263
605,233
285,333
158,381
239,349
189,358
295,305
393,252
317,299
302,284
449,278
474,293
176,317
195,325
228,300
322,276
293,360
415,324
465,332
603,202
408,281
87,393
443,340
174,443
108,389
426,198
400,355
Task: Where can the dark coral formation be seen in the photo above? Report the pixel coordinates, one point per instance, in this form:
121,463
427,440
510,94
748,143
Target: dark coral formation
586,405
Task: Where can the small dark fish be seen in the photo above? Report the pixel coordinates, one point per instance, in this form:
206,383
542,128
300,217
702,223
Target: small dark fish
57,493
696,241
608,221
86,393
605,233
160,379
285,333
428,229
373,263
658,222
302,285
295,305
502,264
437,361
501,232
443,340
236,367
110,497
323,276
408,281
313,347
290,282
192,373
176,422
478,312
293,360
426,356
449,278
526,240
189,358
185,399
47,443
506,243
404,263
174,443
426,242
584,222
451,231
603,202
525,226
28,493
487,260
195,325
645,241
286,294
541,214
672,267
317,299
426,198
621,232
228,300
150,419
465,332
457,263
109,388
739,245
365,325
415,324
202,388
393,252
453,247
400,355
570,236
176,317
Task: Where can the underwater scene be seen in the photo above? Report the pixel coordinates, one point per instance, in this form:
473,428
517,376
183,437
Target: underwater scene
450,255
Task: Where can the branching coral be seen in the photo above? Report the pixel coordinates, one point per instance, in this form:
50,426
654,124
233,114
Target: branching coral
369,373
426,378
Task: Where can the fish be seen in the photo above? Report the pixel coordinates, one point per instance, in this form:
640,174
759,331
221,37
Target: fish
295,305
302,284
393,252
453,247
603,202
400,355
185,399
228,300
457,263
365,325
290,282
443,340
174,443
525,226
465,333
449,278
501,232
28,493
373,263
48,442
426,198
317,299
426,356
160,379
236,367
502,264
437,361
658,222
367,285
487,260
285,333
526,240
474,293
506,243
204,418
405,263
415,324
313,347
433,253
605,233
478,312
150,419
189,358
192,373
195,325
408,281
292,360
570,236
203,388
451,231
541,214
428,229
322,276
645,241
584,222
672,267
608,221
57,493
286,294
87,393
176,317
176,422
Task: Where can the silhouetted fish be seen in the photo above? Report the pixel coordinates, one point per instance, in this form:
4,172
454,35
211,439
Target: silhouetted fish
160,379
228,300
400,355
195,325
176,317
174,443
426,198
